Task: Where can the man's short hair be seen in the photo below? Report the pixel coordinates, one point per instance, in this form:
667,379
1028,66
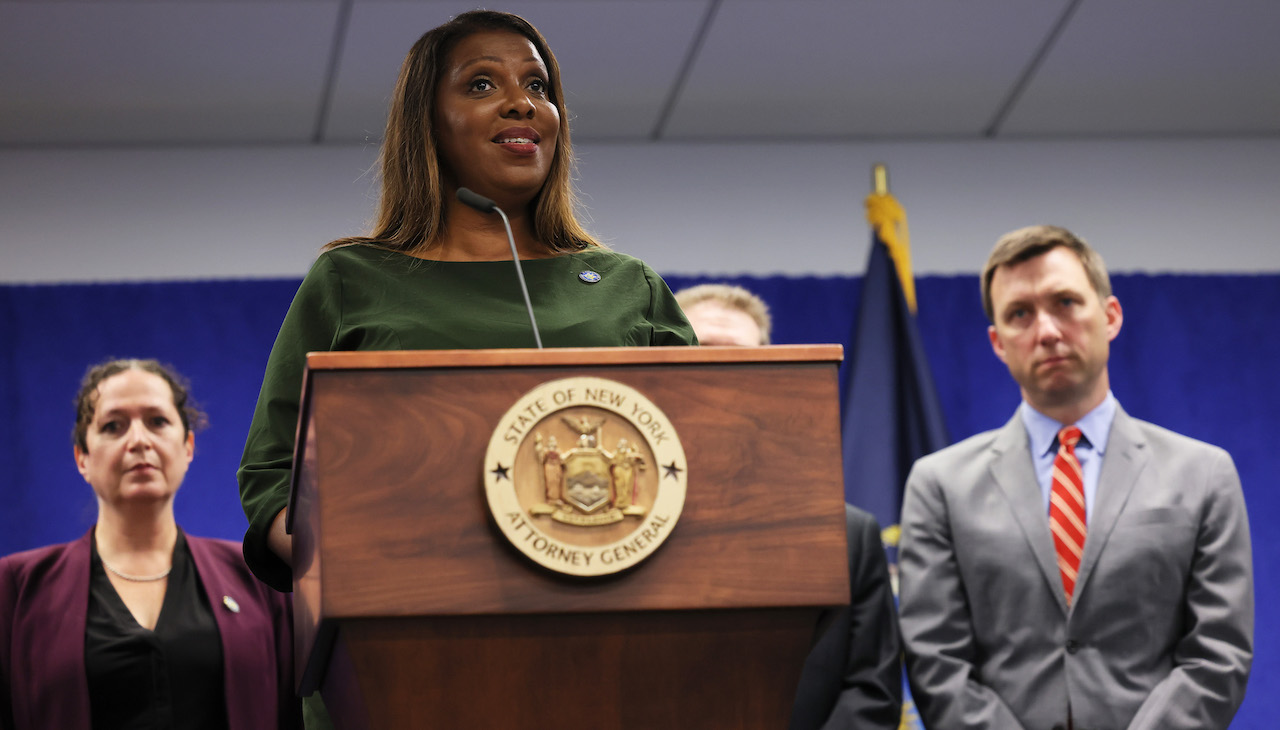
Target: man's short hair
734,297
1027,243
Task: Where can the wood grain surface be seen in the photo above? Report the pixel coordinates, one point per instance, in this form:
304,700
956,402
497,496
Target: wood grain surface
406,530
571,356
397,553
626,671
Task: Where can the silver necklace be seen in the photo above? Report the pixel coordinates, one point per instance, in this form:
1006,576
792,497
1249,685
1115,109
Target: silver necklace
134,578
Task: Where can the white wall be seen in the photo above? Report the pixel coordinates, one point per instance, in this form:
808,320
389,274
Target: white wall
183,213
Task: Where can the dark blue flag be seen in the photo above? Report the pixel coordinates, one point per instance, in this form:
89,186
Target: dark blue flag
891,414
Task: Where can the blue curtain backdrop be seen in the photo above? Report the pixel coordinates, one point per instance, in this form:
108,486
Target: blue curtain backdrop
1197,354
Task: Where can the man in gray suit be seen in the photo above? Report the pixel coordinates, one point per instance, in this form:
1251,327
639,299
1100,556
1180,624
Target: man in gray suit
1077,568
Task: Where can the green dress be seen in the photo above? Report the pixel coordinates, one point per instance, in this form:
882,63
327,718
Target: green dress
367,298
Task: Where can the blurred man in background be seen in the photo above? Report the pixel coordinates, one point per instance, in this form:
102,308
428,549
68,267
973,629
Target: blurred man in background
852,678
722,314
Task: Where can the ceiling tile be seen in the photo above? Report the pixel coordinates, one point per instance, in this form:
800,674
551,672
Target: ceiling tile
619,59
861,68
253,71
147,72
1127,67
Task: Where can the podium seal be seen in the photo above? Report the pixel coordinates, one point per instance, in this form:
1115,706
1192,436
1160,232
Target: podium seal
585,476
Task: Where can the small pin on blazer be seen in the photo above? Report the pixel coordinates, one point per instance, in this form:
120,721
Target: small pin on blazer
589,276
231,604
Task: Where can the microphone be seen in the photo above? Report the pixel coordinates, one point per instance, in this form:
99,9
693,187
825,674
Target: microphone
477,201
485,205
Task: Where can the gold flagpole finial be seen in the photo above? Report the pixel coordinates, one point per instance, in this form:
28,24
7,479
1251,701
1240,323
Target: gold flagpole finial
890,223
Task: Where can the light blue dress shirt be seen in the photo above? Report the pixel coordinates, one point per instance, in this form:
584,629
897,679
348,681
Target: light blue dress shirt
1043,434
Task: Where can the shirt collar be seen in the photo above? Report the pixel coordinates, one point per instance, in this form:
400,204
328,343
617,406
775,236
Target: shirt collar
1095,425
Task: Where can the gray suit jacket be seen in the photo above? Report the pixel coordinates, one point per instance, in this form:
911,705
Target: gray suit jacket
1160,634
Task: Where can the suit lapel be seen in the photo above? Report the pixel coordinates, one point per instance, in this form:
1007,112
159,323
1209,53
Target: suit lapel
1012,470
1125,459
57,615
216,588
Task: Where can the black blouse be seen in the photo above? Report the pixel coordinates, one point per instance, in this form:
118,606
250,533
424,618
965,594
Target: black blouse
166,679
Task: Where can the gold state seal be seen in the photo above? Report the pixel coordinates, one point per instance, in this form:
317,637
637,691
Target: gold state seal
586,476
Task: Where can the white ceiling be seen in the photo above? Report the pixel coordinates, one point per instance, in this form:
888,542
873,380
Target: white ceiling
193,72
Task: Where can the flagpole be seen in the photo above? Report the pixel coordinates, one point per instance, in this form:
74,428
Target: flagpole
880,179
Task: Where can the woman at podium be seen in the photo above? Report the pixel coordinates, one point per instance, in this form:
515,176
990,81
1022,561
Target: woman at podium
478,105
137,624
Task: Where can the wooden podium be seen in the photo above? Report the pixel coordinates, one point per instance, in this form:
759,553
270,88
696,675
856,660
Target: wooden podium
414,611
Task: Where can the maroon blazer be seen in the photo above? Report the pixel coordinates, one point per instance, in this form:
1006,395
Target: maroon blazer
44,599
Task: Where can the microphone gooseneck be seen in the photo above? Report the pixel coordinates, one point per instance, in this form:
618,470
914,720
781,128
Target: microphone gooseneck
485,205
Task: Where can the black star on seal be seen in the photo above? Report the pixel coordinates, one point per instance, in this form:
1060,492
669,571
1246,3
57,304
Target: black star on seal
500,472
673,471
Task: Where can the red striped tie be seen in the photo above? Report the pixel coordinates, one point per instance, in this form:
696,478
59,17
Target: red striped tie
1066,508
